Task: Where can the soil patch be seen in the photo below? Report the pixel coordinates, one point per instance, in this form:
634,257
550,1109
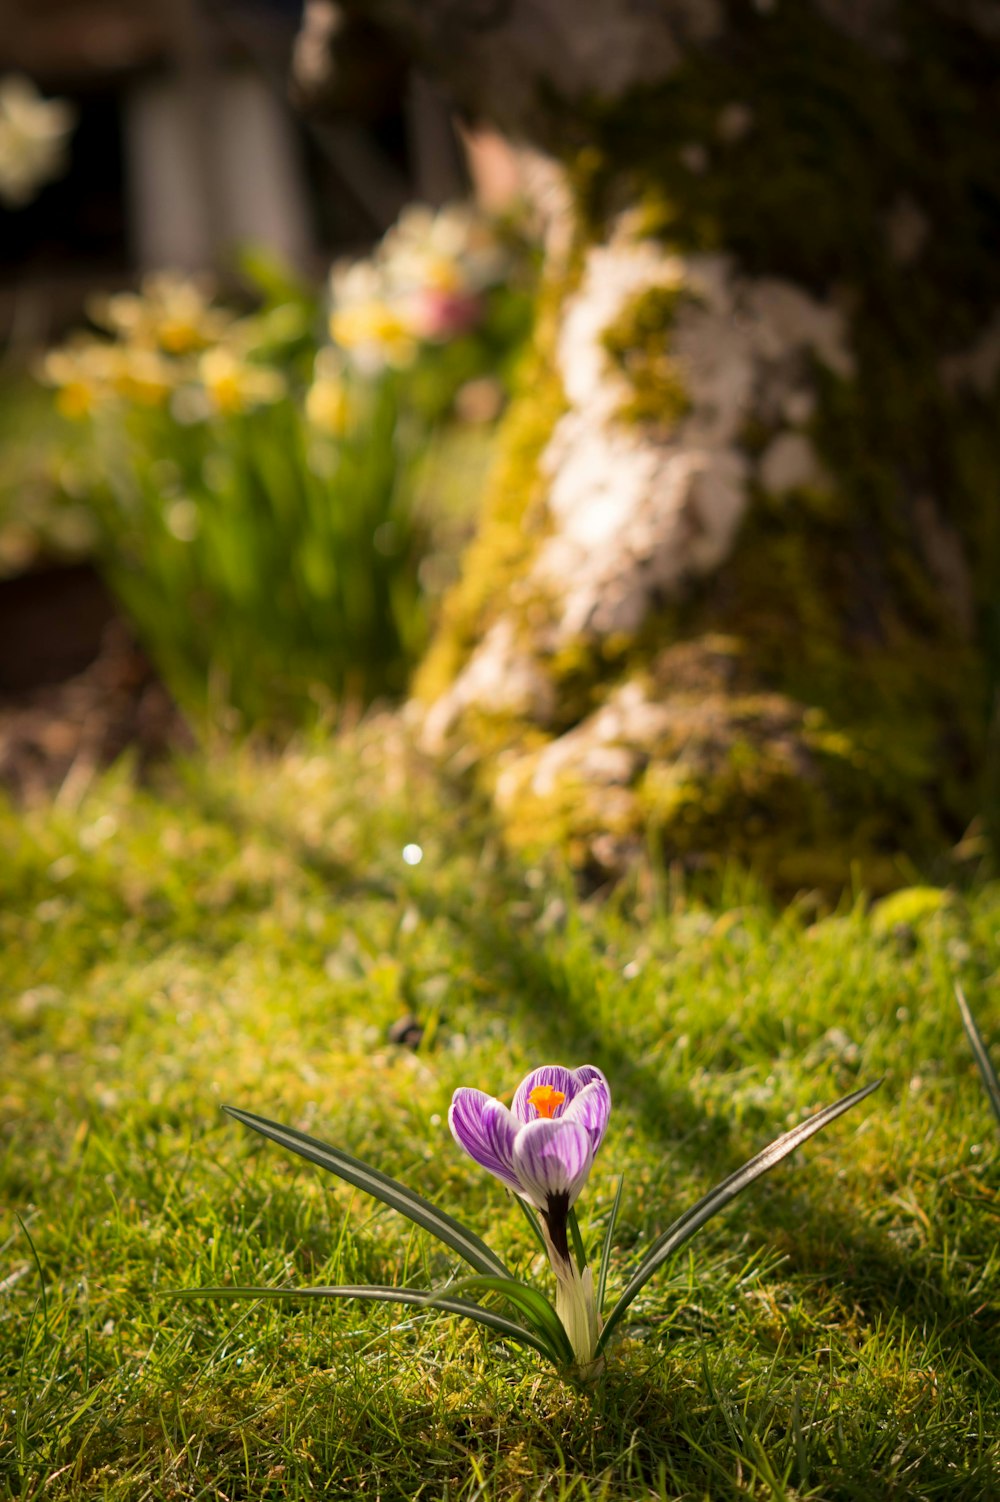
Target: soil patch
76,690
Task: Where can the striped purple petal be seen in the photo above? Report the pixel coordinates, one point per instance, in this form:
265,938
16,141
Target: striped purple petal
591,1107
586,1075
486,1130
552,1158
569,1081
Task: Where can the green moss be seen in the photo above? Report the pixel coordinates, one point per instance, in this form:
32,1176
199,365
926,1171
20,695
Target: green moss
638,344
830,598
731,775
896,695
834,134
513,524
912,905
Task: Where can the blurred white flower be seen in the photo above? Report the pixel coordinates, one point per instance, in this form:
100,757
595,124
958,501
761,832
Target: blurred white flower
453,250
438,265
369,324
424,282
353,283
33,136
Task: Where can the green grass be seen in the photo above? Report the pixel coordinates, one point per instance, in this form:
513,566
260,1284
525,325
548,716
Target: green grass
247,932
43,514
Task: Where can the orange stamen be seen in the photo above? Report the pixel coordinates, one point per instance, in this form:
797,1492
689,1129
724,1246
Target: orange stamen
545,1099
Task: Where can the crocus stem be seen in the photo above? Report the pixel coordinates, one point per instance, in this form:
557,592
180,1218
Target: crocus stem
575,1302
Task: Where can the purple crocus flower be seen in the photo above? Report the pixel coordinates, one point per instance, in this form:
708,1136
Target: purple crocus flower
542,1148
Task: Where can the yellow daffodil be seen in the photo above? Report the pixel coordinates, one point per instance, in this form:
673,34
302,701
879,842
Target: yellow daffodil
89,373
233,385
374,334
171,312
371,328
82,374
143,376
327,403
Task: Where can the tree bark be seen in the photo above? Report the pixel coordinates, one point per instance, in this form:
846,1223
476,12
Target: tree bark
735,590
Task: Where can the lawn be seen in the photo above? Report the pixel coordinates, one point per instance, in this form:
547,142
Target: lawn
248,932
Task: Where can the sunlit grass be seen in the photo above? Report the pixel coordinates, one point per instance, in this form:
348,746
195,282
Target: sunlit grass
249,932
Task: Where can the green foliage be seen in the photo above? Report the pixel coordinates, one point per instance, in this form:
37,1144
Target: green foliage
42,518
263,501
269,568
248,930
381,1187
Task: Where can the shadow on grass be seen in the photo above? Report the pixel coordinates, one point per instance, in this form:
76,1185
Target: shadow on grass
882,1281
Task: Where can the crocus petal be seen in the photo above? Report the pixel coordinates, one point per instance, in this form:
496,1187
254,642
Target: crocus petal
486,1130
548,1074
586,1075
591,1108
569,1081
552,1159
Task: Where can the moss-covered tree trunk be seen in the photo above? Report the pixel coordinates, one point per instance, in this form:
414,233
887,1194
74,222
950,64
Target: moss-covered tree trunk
736,588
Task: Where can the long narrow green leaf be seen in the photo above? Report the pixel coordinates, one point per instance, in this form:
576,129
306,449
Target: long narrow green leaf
532,1220
533,1305
380,1187
577,1239
979,1050
385,1295
693,1219
602,1277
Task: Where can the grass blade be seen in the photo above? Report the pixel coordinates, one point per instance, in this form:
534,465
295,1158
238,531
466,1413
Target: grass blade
386,1295
363,1176
533,1305
979,1050
602,1277
710,1204
39,1268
